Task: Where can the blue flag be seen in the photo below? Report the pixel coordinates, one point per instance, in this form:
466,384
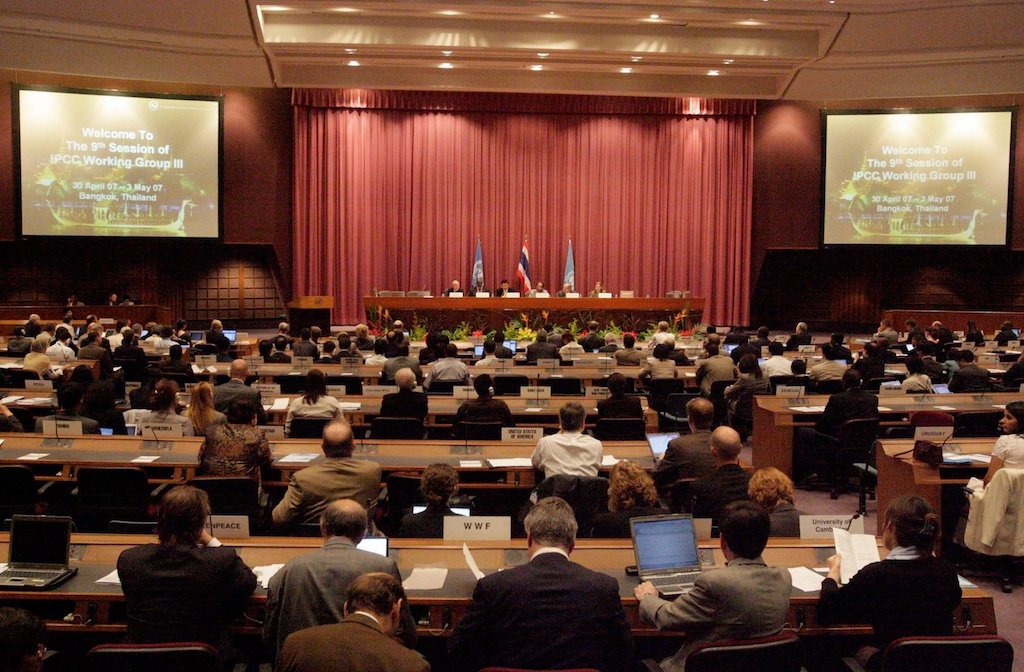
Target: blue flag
476,277
569,278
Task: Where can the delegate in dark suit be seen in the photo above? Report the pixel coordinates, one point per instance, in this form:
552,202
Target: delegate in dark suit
710,494
404,404
227,392
541,350
620,407
547,614
687,455
969,378
356,644
849,404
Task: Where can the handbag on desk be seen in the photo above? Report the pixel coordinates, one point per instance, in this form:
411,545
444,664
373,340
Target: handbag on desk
928,452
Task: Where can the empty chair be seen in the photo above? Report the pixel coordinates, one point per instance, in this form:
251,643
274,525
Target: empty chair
779,653
977,423
108,493
587,495
353,384
308,428
620,429
658,390
234,496
403,491
442,387
291,384
19,376
564,386
509,384
482,431
170,657
396,428
826,386
944,654
856,439
875,384
132,369
717,397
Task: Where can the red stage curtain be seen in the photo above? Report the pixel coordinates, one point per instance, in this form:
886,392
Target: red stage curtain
653,200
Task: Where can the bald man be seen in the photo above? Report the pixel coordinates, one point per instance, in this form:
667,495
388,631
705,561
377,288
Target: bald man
337,477
729,481
310,589
406,403
236,388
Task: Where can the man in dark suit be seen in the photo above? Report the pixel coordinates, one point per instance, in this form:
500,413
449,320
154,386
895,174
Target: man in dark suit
541,348
69,397
406,403
969,377
729,481
689,455
593,340
547,614
92,349
840,351
628,355
305,347
762,340
1005,334
279,356
174,364
236,388
20,344
800,337
362,640
310,589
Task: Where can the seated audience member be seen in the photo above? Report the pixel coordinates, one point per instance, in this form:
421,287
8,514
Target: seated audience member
305,347
314,403
729,481
777,363
550,613
82,375
922,345
215,335
164,337
438,483
338,477
1005,334
21,641
363,339
714,368
283,335
37,359
570,348
745,599
129,348
236,387
870,364
912,330
69,398
1009,449
799,337
969,377
377,356
181,333
448,369
744,348
1012,379
570,452
886,331
310,589
165,408
489,358
100,403
265,348
831,366
631,494
485,408
628,355
430,352
19,344
619,404
541,348
279,356
662,335
363,639
853,403
328,354
32,327
593,340
916,382
201,410
401,360
661,365
407,402
188,587
941,334
840,350
8,421
773,490
799,367
689,455
610,343
909,594
236,447
60,350
973,335
175,364
749,381
346,350
92,350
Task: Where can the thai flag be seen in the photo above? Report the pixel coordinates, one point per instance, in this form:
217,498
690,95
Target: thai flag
523,272
477,276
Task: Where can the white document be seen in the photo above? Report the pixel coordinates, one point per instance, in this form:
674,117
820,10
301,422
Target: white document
533,409
280,404
808,409
11,399
426,578
510,462
350,405
945,408
298,457
471,561
964,583
111,579
979,457
975,484
33,456
805,579
471,463
609,461
884,409
146,458
266,572
855,550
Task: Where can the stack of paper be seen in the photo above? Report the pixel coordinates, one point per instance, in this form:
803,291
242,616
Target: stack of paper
856,551
280,404
265,572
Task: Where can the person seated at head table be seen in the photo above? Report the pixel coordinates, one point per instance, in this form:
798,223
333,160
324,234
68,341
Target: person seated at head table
454,288
539,291
773,490
631,494
597,290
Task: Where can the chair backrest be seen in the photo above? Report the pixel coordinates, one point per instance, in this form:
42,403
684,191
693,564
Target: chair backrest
169,657
353,384
587,495
786,379
875,384
564,386
291,384
482,431
308,428
120,486
620,429
946,654
442,387
133,369
658,390
396,428
859,434
403,491
180,378
509,384
780,653
931,419
718,389
229,495
977,423
17,490
827,386
19,376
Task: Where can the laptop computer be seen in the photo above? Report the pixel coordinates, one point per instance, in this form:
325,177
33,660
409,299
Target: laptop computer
666,552
659,442
197,336
230,334
510,344
38,553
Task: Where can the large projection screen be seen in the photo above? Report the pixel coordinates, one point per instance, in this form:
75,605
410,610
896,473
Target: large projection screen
917,178
110,164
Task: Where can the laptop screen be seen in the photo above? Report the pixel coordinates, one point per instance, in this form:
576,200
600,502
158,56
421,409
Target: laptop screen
663,543
230,334
511,345
378,545
940,388
40,540
197,336
478,351
457,510
659,443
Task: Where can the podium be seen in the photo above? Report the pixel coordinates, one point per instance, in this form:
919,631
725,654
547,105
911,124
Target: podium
310,311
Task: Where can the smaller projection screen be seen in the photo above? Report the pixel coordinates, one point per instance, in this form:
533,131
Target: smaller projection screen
107,164
917,178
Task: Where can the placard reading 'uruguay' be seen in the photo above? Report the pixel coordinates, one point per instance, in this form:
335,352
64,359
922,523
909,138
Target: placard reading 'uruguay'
110,164
913,178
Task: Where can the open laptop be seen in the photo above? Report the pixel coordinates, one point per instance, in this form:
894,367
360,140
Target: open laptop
659,442
666,552
511,345
38,554
378,545
230,334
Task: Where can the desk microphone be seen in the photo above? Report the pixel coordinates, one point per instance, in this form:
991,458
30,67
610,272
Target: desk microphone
850,521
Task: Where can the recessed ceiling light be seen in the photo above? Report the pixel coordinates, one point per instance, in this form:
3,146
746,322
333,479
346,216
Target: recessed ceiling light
635,59
625,71
446,66
542,54
346,9
350,51
536,67
450,12
728,61
354,64
713,73
655,16
446,52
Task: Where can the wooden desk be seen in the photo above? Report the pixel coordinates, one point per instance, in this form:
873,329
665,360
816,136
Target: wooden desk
140,312
435,313
774,418
439,611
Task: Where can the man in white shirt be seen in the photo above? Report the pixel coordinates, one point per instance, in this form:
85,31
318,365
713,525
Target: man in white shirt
777,364
662,335
828,368
448,369
59,351
570,452
489,358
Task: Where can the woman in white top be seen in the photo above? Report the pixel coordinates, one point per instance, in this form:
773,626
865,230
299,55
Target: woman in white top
165,408
916,382
315,403
1009,450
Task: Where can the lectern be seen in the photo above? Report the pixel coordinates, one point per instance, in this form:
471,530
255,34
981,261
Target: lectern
309,311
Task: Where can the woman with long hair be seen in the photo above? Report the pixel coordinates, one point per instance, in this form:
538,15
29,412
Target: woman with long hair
201,411
314,403
165,407
631,493
1009,448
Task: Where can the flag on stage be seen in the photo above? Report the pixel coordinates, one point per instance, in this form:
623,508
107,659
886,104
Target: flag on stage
476,277
523,272
569,278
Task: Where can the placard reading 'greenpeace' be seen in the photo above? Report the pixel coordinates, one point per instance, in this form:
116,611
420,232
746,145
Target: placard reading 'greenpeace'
109,164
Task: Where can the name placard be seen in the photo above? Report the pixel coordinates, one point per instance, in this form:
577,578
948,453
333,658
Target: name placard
522,434
890,388
483,295
162,430
548,363
203,361
378,390
512,295
463,392
481,528
253,361
702,526
820,526
62,428
805,348
273,431
38,384
789,391
228,527
572,295
535,392
937,434
455,295
1013,345
302,363
605,295
267,388
596,391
